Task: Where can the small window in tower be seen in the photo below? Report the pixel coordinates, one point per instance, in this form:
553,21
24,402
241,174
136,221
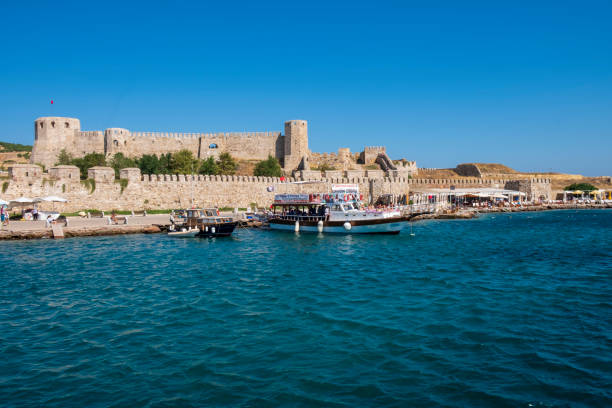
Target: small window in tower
213,146
52,124
27,174
116,142
41,125
67,125
125,142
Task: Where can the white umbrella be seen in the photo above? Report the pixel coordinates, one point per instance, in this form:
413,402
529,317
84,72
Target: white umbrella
51,199
22,200
2,202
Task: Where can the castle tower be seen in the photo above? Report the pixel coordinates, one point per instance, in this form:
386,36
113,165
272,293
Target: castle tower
296,144
51,135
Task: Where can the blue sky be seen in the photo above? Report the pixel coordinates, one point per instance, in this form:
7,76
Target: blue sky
441,83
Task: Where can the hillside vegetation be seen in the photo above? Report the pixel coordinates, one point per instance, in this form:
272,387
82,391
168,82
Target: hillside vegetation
14,147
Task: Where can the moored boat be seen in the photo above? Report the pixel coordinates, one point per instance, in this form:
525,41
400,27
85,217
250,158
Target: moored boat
341,211
209,223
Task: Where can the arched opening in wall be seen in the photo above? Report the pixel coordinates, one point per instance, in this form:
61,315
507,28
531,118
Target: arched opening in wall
213,146
125,142
66,125
52,124
27,174
116,142
41,125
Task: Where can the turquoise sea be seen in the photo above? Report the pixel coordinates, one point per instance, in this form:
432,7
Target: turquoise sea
506,310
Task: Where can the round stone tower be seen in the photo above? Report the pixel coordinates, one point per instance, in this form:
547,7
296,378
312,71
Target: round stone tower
51,135
296,144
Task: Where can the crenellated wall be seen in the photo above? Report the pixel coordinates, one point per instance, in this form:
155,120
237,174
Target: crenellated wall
52,134
177,191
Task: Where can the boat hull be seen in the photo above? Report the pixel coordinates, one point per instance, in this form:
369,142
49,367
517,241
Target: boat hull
217,230
383,226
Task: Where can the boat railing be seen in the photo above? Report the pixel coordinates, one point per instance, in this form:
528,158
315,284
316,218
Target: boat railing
294,217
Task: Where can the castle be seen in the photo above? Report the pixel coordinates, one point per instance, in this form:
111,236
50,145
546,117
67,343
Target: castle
52,134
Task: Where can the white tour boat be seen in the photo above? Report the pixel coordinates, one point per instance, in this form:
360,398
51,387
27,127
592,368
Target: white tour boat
341,211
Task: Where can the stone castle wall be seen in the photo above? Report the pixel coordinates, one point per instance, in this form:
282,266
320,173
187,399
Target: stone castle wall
52,134
175,191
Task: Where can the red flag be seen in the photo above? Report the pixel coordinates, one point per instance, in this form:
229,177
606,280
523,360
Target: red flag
51,101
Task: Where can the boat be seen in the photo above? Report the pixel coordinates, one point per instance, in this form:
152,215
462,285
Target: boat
184,233
341,211
209,222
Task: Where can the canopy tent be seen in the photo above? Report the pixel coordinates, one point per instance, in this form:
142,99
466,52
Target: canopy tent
2,202
577,192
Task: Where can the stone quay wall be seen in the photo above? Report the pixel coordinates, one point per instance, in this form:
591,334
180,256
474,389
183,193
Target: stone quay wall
142,192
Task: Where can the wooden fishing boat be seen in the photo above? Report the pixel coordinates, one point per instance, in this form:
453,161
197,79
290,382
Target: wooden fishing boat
209,222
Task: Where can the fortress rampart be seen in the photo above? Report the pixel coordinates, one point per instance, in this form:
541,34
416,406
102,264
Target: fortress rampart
52,134
175,191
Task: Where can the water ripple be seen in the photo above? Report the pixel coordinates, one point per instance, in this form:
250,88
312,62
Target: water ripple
506,310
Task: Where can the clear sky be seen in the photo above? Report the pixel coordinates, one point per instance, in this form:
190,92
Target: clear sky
524,83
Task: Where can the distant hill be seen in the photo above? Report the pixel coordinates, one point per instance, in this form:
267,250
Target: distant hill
6,147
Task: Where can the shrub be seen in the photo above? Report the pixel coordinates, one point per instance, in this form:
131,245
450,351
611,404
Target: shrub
183,162
226,164
119,161
268,168
209,167
581,187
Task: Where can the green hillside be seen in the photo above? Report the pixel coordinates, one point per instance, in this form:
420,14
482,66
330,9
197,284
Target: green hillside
14,147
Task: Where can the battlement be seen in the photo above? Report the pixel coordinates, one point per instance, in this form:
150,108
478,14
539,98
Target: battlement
54,134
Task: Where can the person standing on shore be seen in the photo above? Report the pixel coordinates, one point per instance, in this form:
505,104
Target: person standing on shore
3,215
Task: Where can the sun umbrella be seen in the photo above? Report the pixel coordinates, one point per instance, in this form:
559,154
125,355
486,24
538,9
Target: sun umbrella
53,199
2,202
22,200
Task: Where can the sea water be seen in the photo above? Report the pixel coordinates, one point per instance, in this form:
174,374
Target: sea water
505,310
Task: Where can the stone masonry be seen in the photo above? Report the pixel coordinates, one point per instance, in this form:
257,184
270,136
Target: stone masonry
52,134
176,191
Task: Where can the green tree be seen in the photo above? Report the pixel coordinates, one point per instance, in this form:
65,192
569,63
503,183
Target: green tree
581,187
268,168
183,162
90,160
119,161
64,158
227,164
148,164
209,166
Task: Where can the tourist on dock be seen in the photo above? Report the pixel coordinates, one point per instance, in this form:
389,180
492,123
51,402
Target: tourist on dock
4,217
35,214
49,221
114,217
